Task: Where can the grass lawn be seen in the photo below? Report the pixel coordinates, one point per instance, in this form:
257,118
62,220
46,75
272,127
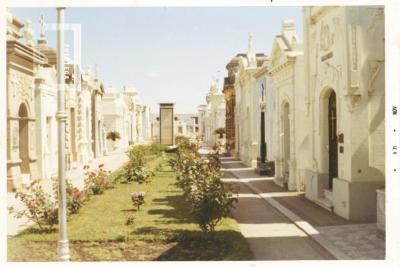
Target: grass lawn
162,229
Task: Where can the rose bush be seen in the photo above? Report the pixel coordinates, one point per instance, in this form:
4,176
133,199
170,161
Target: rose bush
75,197
200,179
135,170
139,174
137,155
138,199
210,201
96,181
39,206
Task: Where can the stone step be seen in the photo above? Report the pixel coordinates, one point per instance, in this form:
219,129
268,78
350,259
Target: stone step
325,203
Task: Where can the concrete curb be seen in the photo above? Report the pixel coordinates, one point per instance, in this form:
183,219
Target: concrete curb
303,225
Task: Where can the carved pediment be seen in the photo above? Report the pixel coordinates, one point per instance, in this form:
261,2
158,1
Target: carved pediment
278,56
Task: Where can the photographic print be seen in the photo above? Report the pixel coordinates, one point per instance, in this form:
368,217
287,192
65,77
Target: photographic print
195,133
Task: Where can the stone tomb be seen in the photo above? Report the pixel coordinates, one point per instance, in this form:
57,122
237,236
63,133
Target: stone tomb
167,123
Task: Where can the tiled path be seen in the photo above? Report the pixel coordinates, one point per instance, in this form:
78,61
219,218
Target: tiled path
77,176
354,241
342,238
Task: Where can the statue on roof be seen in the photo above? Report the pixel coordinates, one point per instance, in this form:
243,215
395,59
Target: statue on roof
214,86
42,27
28,33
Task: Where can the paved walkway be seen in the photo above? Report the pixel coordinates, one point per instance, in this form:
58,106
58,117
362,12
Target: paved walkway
284,225
77,176
270,234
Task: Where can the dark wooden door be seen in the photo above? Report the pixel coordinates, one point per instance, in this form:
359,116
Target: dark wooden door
333,142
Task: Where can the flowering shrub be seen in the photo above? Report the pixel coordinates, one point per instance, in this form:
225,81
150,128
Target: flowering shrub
39,207
135,170
75,197
200,180
137,155
210,201
139,174
138,199
96,181
182,142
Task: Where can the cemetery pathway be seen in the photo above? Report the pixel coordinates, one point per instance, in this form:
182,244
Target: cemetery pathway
271,235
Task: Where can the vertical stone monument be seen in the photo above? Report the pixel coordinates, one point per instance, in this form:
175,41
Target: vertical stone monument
167,124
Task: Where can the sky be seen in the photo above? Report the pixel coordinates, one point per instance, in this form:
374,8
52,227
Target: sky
166,53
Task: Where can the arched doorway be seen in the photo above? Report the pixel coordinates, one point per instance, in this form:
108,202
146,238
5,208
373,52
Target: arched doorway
333,142
23,138
286,139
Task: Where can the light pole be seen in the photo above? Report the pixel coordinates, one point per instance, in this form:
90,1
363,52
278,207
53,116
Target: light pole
264,167
263,146
63,246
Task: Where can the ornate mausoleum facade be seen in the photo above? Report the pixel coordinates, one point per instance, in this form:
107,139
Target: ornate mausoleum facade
213,115
345,104
123,112
247,105
285,106
229,92
23,61
323,101
32,151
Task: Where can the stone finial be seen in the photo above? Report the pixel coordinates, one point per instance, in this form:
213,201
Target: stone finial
28,33
288,25
289,32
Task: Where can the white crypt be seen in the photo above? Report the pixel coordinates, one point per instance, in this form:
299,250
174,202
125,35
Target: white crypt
323,100
124,113
32,105
212,115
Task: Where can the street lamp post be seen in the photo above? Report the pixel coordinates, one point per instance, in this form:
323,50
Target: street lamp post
63,246
264,167
263,146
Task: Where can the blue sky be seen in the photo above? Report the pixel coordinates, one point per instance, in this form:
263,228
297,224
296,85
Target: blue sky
167,53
